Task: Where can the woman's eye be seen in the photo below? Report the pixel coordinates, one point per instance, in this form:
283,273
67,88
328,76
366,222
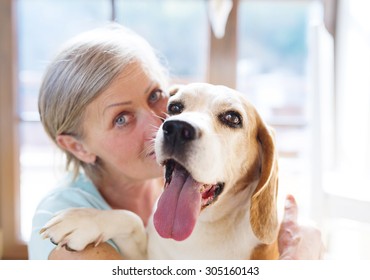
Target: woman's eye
175,108
155,96
231,119
121,120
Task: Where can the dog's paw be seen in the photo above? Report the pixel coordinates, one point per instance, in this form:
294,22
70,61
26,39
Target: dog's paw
74,229
127,231
132,243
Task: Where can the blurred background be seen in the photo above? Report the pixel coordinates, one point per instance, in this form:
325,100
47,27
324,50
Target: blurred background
305,64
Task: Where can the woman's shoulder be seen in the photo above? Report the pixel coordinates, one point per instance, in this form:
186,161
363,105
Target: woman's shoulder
73,192
77,193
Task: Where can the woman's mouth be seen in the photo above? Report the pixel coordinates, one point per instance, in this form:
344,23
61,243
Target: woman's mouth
152,155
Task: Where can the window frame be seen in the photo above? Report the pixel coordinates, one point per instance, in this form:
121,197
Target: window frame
13,246
223,52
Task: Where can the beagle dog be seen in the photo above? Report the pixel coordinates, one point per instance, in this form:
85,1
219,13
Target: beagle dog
220,195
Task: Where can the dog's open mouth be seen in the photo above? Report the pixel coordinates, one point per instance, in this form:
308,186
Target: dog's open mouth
181,202
209,192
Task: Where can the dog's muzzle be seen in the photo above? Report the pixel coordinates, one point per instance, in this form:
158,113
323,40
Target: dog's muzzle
183,197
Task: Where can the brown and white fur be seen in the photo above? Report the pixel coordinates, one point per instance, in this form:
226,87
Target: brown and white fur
217,140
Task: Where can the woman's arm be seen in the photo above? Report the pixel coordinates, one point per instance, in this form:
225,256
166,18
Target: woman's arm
103,251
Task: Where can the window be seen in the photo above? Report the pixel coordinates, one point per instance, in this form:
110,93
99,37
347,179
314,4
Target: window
168,32
272,70
345,174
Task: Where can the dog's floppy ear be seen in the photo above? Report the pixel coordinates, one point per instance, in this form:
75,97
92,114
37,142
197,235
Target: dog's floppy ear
174,89
263,211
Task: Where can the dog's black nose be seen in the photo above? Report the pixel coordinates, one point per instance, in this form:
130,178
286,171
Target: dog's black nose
178,132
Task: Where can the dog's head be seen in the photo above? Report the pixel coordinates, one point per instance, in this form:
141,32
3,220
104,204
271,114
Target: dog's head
212,144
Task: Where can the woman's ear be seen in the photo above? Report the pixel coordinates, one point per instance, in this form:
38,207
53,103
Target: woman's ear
76,147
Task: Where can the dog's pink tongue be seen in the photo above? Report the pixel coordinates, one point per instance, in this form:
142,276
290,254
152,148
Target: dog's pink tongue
178,207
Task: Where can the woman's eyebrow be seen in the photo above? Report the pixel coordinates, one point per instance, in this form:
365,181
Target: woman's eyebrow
149,87
117,104
147,90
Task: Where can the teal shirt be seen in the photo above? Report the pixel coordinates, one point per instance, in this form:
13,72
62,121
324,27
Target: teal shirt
80,193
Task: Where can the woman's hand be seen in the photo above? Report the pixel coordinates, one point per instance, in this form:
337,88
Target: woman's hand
298,242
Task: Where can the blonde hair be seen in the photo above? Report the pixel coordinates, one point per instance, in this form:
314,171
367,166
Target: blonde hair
84,67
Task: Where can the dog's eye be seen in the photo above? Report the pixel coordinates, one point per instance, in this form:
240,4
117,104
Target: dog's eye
175,108
231,119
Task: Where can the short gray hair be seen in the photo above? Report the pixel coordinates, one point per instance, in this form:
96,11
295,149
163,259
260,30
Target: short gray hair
83,68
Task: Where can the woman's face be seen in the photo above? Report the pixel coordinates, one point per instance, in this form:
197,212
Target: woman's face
120,125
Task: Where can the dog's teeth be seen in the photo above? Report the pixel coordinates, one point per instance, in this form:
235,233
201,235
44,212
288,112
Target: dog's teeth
205,188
